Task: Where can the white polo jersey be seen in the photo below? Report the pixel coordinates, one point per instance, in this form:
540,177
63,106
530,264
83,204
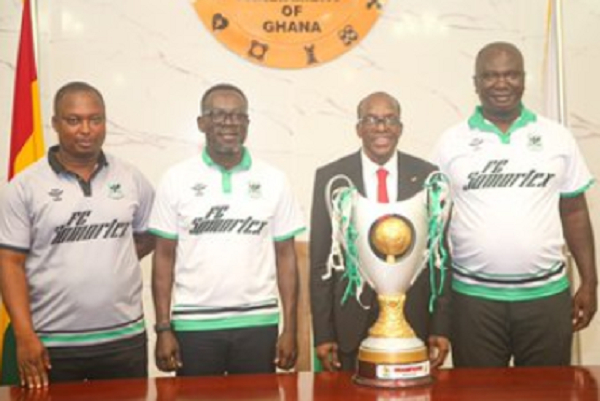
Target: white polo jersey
84,277
225,223
506,231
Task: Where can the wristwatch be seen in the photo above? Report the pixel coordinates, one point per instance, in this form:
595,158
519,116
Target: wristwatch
162,327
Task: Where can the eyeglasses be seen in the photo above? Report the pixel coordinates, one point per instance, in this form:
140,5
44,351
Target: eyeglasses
492,77
75,121
220,116
374,121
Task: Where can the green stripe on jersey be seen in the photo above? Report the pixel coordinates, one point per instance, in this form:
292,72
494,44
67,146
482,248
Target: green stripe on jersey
511,294
162,234
245,164
91,338
232,322
477,120
290,235
579,191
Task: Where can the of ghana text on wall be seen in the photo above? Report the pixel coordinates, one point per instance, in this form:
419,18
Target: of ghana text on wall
289,33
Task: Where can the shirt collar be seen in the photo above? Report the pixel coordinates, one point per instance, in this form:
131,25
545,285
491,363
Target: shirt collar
244,164
371,167
478,121
58,167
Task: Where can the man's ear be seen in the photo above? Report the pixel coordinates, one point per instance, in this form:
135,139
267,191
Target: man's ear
201,121
475,84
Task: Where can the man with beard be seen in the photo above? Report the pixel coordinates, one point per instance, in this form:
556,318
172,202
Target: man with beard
518,182
225,224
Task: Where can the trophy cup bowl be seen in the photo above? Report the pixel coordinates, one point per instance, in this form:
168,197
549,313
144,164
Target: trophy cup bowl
391,242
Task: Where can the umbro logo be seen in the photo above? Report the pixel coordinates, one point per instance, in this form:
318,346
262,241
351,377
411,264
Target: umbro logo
476,143
199,189
56,194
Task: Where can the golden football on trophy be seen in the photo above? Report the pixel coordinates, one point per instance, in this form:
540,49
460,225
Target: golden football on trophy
392,236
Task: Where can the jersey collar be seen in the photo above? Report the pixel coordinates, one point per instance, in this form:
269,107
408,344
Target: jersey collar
244,164
478,121
58,168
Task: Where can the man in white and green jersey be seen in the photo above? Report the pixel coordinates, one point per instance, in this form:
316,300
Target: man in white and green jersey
225,224
518,182
72,230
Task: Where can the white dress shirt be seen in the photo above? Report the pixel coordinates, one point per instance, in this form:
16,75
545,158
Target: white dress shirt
369,172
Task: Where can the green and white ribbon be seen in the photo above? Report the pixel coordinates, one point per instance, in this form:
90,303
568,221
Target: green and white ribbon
439,206
344,252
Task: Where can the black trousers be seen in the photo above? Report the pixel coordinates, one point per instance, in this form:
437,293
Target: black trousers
231,351
117,360
490,333
348,360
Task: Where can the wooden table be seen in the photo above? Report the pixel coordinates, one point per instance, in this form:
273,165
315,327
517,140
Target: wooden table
511,384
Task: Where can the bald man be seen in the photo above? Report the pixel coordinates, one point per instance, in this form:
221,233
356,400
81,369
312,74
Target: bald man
338,326
519,185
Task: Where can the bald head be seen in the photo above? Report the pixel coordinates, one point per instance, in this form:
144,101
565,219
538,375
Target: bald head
379,126
493,49
377,96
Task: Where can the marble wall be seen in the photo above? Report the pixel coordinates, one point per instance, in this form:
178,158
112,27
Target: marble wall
152,59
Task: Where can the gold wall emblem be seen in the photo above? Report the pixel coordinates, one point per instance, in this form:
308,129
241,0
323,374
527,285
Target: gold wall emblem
289,33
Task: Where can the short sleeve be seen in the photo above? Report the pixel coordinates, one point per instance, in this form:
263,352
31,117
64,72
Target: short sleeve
440,153
15,219
141,219
163,219
288,220
577,177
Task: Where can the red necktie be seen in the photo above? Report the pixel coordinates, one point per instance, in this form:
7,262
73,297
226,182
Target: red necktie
382,194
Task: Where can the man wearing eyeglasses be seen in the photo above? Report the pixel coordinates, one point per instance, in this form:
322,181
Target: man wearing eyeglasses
519,185
338,326
225,224
73,227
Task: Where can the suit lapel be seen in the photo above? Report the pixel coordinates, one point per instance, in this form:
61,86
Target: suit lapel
407,179
355,173
401,178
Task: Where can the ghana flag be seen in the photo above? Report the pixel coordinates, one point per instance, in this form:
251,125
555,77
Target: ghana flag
26,146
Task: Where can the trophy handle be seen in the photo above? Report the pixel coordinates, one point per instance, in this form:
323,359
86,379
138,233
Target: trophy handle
338,259
328,189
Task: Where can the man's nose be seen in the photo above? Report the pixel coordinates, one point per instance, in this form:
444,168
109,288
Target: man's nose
502,79
85,125
381,125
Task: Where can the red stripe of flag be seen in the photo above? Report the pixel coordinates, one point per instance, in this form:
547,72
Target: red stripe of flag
26,146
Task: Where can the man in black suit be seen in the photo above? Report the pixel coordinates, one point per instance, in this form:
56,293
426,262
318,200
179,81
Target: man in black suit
340,327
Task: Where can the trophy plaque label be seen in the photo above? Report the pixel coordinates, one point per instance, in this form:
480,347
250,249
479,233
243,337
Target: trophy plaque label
405,371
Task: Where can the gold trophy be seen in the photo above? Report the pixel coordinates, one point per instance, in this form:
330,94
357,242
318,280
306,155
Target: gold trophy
387,245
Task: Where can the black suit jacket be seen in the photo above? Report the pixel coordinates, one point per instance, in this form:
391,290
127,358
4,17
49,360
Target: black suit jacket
348,324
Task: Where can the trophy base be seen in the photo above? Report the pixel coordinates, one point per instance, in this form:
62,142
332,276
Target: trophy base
392,363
